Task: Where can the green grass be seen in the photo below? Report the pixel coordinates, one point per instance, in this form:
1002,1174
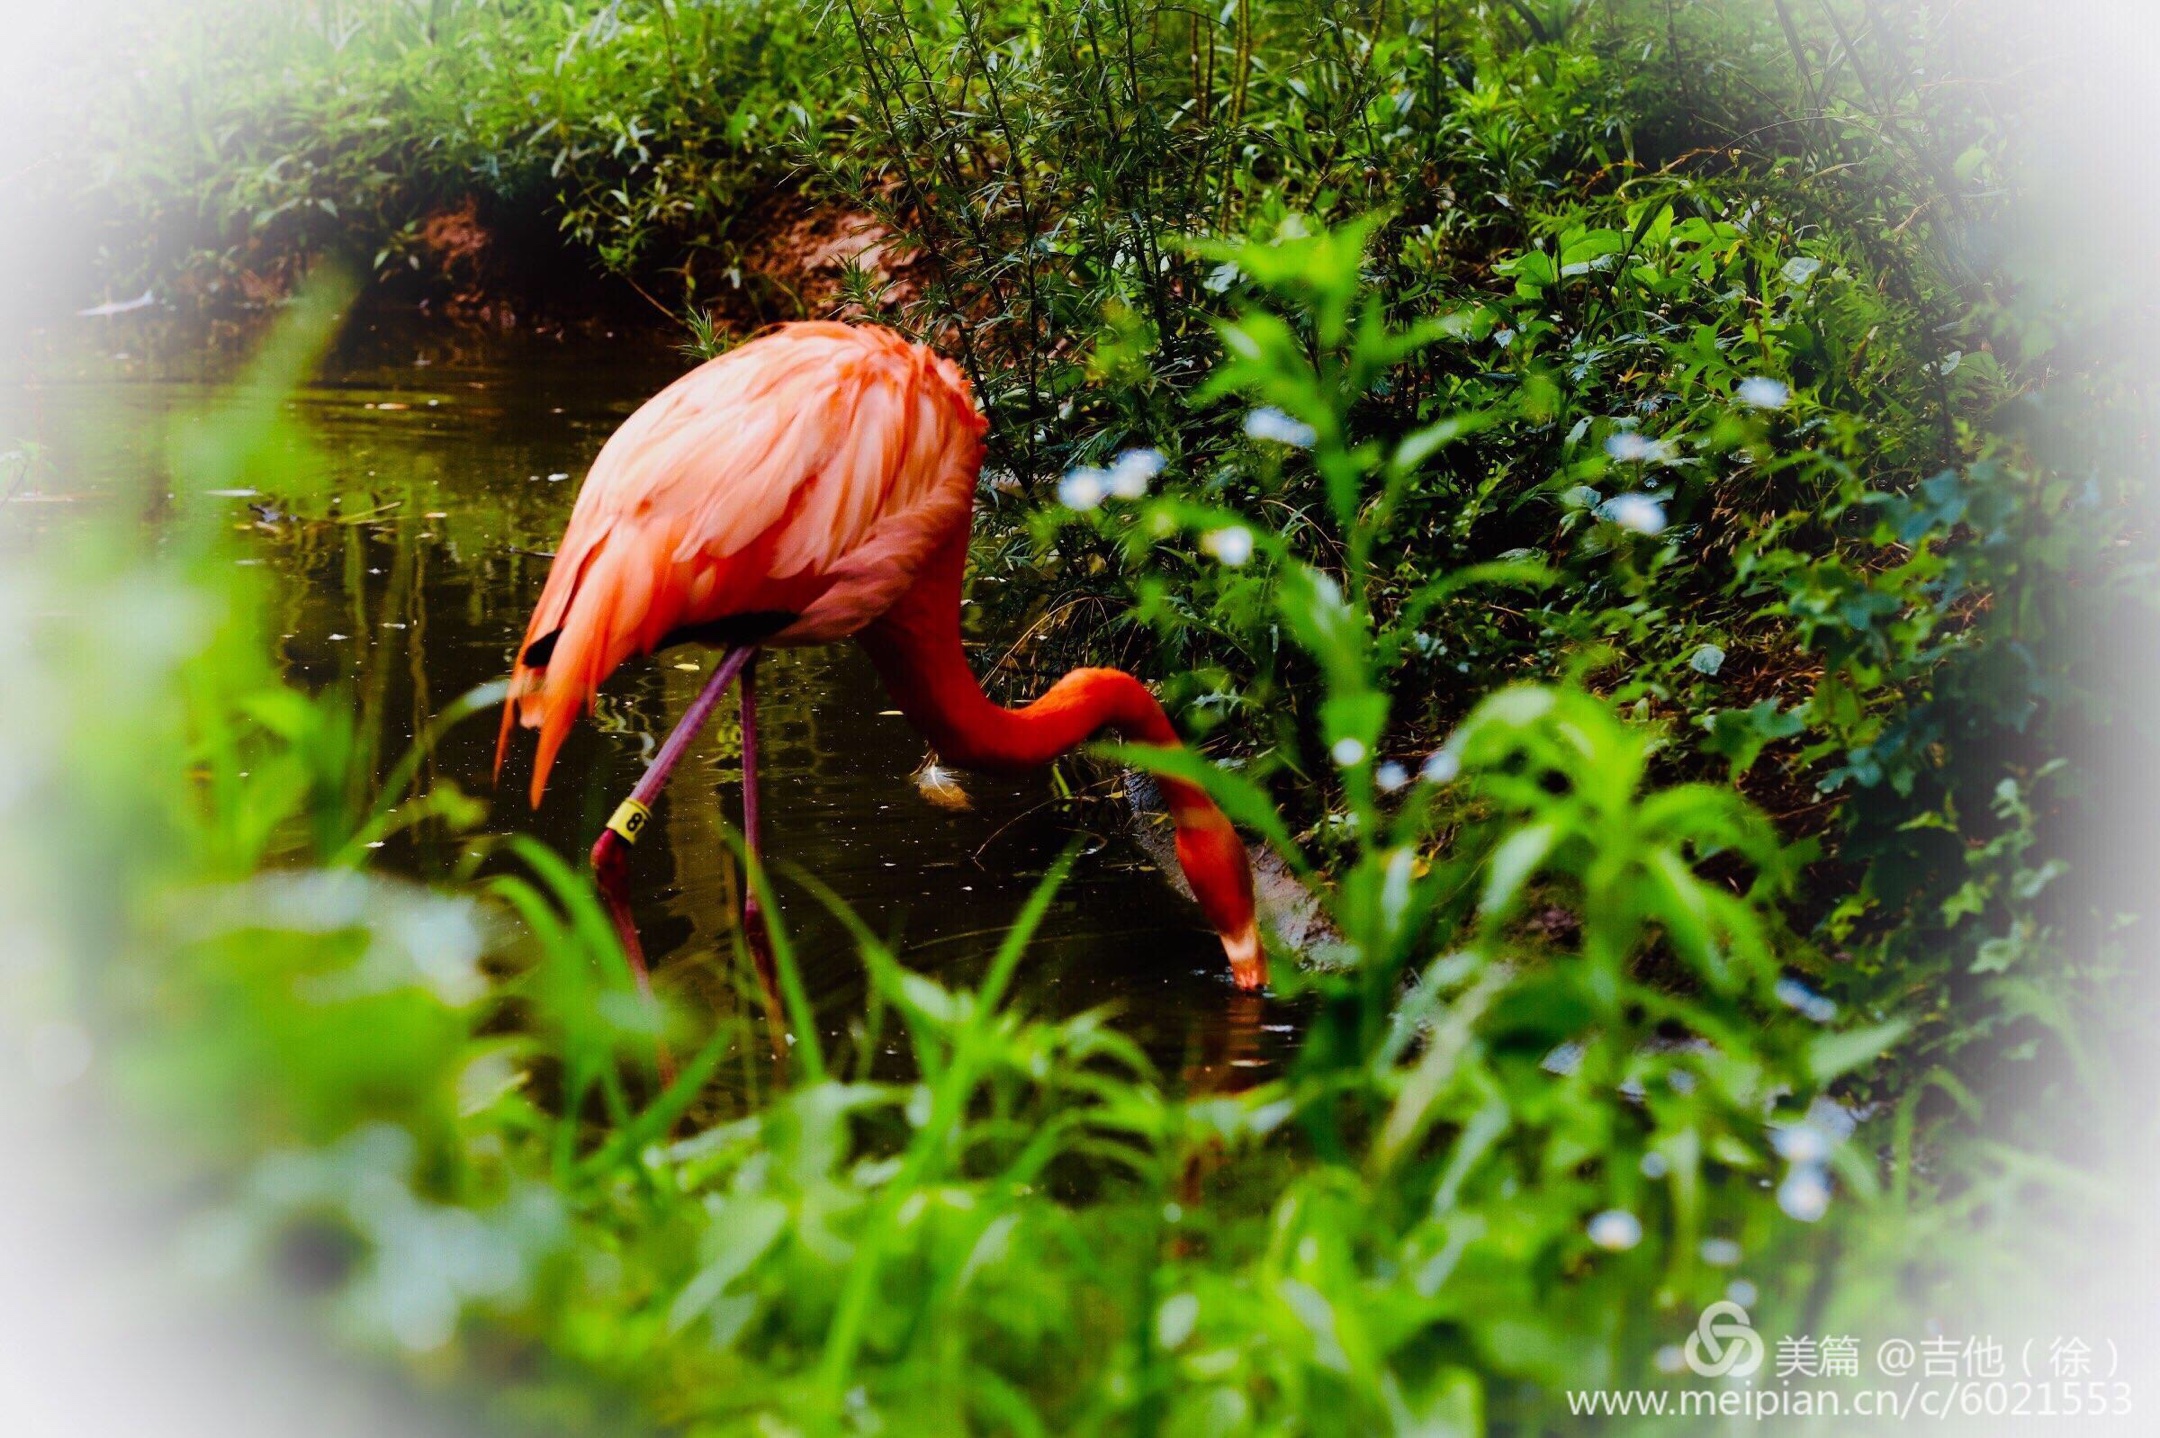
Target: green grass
1669,602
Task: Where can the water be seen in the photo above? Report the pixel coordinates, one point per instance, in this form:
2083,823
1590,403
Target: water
447,470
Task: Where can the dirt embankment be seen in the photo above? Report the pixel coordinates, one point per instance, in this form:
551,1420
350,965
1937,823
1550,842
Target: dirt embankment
793,259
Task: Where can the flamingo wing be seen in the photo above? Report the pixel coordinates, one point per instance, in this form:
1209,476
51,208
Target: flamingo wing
786,492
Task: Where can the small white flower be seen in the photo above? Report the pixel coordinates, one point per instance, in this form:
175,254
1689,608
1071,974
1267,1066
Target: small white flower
1833,1118
1805,1193
1233,546
1348,752
1269,422
1707,660
1628,446
1082,488
1800,1143
1130,472
1175,1319
1720,1252
1794,994
1390,777
1616,1229
1637,512
1442,767
1566,1057
1762,392
558,477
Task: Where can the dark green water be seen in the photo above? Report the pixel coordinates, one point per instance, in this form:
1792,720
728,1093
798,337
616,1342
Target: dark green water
450,468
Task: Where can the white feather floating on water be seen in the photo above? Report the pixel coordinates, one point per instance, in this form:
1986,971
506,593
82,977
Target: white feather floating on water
142,301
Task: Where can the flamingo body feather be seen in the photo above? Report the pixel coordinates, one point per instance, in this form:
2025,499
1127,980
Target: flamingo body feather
803,478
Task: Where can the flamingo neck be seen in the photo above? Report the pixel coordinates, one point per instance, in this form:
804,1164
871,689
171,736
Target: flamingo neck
917,650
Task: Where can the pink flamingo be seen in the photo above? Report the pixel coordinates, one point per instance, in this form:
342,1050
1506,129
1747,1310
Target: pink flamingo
815,484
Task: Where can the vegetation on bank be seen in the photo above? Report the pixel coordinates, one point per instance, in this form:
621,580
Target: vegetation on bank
1598,489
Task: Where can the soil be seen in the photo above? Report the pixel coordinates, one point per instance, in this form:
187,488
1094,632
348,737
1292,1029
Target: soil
795,260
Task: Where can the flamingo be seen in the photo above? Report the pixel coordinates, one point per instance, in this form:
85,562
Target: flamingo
813,485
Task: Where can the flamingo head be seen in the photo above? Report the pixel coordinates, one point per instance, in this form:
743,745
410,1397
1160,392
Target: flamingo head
1220,872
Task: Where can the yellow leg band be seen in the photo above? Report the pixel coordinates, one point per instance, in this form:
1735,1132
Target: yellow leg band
630,820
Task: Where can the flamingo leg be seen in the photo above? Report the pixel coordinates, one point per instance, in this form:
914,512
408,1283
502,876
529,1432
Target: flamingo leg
611,852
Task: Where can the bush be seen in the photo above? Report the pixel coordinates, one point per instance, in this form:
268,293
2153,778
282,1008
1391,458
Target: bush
264,137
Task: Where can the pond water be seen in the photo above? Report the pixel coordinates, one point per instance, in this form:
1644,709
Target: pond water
447,470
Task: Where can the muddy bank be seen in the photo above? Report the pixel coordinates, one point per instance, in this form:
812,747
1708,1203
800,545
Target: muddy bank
476,268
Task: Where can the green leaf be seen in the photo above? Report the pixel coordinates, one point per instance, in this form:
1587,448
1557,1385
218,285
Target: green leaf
742,1229
1834,1054
1512,864
1420,445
